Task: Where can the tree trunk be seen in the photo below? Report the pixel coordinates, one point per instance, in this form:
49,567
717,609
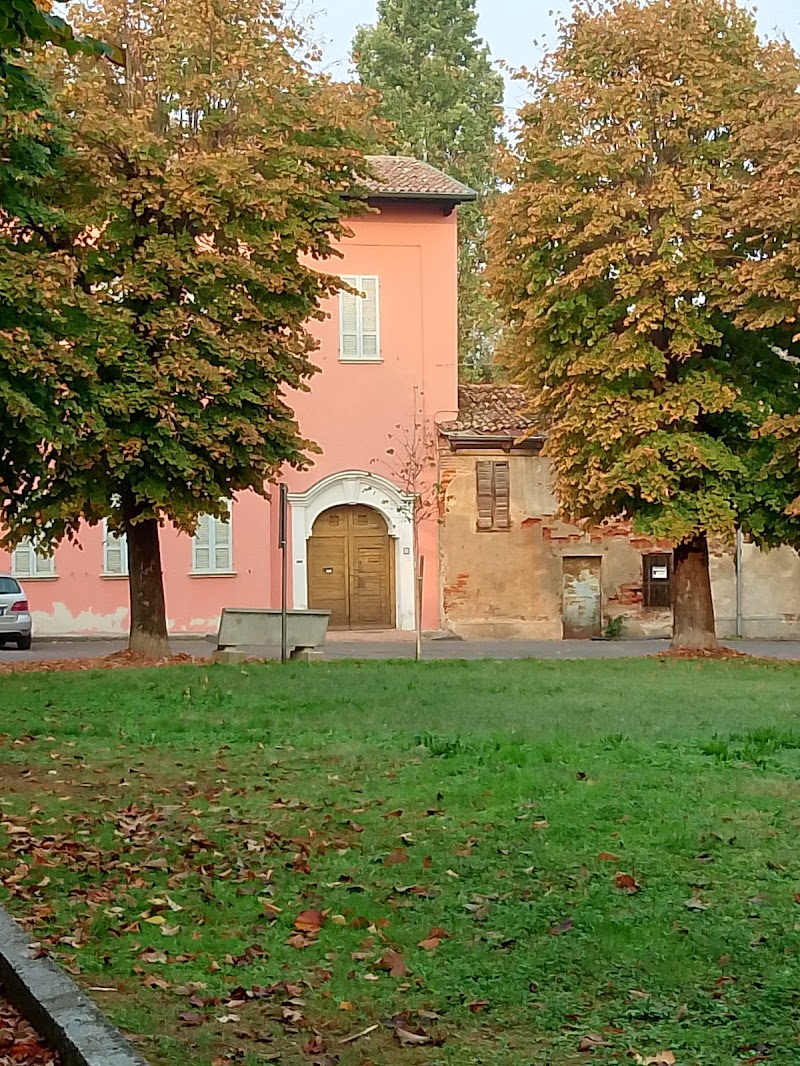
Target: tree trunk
692,606
148,625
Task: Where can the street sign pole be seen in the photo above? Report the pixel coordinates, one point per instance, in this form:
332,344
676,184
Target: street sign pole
282,523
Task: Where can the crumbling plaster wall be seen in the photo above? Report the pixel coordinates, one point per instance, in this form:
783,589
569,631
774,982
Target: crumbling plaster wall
507,583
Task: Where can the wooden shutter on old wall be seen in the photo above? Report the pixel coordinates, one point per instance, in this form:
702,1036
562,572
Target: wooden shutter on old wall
502,492
493,495
485,493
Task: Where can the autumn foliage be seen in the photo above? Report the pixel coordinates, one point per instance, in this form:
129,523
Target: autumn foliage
208,180
615,255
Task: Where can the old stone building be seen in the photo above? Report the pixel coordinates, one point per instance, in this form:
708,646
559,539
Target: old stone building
511,567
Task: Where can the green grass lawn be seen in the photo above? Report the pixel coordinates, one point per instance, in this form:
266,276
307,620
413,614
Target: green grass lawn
511,860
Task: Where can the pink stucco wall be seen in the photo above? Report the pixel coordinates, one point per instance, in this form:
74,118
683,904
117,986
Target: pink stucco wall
349,412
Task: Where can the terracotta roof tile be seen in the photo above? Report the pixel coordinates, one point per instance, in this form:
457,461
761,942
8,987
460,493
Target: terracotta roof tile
491,411
403,177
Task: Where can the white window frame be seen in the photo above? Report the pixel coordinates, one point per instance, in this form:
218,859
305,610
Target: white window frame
40,566
356,281
212,524
122,543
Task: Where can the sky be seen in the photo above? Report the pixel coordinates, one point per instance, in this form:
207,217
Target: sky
509,27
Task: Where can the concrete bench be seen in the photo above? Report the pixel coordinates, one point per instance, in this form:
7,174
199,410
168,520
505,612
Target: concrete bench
248,627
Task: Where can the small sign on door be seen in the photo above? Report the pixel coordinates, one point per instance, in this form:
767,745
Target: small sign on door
659,573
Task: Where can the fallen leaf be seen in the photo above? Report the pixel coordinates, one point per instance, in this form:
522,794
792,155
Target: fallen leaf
153,957
393,963
191,1017
477,1005
662,1058
442,934
315,1045
695,904
593,1040
431,943
409,1039
396,858
309,921
561,927
608,856
626,883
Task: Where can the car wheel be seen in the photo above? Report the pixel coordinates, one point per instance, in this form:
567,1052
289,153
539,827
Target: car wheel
24,643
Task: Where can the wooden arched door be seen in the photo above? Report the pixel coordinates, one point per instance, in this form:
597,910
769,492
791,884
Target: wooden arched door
351,568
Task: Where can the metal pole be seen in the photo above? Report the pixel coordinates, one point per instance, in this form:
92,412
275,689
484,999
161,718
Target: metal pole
282,522
420,583
739,584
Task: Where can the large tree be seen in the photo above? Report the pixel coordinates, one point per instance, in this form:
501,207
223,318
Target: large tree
25,23
208,172
613,256
43,366
766,289
444,97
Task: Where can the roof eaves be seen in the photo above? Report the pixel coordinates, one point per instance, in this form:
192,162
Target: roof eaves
447,197
466,438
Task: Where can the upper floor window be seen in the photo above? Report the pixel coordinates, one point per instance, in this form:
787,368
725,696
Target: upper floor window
493,495
359,320
26,561
212,545
115,552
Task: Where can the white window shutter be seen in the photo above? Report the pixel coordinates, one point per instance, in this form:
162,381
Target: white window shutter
222,544
22,559
45,565
213,544
370,345
348,322
115,552
202,543
113,556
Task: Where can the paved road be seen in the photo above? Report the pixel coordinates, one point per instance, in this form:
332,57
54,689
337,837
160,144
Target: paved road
390,648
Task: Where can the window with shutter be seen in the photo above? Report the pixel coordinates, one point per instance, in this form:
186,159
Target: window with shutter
502,503
212,545
493,494
485,482
26,561
359,320
115,553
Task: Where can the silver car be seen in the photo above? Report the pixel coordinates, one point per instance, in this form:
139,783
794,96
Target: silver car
15,615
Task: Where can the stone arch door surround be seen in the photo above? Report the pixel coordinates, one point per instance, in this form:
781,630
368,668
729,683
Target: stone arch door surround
355,487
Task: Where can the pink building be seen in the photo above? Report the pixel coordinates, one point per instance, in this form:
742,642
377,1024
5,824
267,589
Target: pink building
387,358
